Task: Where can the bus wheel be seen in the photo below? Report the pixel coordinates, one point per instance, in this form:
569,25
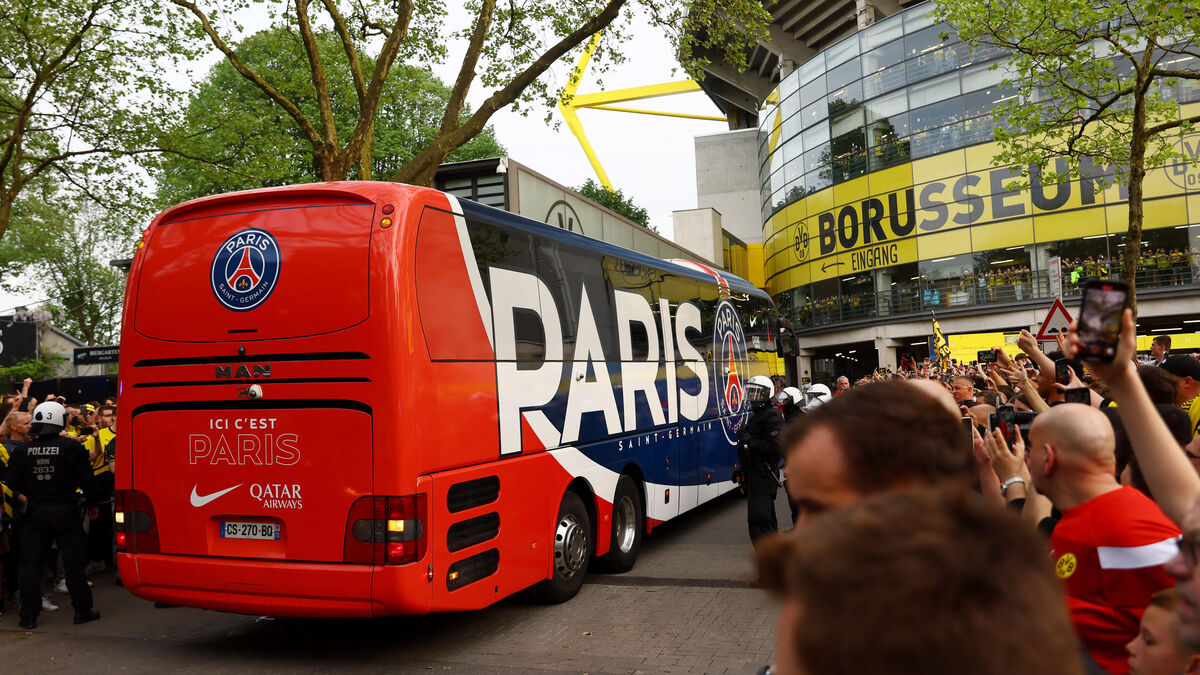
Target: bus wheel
628,525
573,548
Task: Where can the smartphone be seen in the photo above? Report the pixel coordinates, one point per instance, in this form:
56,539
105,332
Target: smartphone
969,425
1062,371
987,355
1079,395
1100,318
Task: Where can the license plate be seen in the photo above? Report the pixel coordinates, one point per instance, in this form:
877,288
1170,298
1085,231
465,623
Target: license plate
236,530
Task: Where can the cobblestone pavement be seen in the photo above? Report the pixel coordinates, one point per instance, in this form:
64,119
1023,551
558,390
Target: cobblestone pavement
686,607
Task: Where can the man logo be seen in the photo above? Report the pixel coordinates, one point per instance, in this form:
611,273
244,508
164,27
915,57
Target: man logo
800,243
245,269
562,214
730,354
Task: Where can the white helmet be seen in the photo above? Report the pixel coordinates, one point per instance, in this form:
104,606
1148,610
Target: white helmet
817,394
791,395
759,390
48,418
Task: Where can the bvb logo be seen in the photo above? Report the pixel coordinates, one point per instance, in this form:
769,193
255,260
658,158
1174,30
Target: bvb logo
1065,566
800,243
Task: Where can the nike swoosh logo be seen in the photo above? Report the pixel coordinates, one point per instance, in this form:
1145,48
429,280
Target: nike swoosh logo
198,501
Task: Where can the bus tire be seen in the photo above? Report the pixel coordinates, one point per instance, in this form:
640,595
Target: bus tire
572,550
628,526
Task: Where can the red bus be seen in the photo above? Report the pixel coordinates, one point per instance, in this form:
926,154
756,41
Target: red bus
364,399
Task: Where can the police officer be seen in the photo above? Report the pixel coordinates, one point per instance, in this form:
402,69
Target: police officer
791,403
47,471
758,455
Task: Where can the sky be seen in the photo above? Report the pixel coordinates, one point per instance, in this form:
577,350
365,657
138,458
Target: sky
650,158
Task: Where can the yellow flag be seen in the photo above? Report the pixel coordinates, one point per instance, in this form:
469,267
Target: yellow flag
941,346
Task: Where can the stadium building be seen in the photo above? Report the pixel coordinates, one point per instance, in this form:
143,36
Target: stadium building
858,173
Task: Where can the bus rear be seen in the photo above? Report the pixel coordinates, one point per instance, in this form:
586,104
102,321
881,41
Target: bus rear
254,332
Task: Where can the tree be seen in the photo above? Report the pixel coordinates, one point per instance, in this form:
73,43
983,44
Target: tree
616,201
509,49
1094,84
78,93
236,138
60,247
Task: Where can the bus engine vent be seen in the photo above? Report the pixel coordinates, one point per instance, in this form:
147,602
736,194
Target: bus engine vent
473,493
473,531
469,570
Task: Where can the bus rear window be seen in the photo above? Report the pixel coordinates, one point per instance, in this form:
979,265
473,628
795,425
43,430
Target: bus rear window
256,274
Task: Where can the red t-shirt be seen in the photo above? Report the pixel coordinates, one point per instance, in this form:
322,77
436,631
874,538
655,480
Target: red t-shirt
1109,553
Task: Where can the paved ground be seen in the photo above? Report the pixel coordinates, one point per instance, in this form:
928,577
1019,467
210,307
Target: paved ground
686,607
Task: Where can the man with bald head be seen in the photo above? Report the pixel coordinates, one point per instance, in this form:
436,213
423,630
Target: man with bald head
1110,546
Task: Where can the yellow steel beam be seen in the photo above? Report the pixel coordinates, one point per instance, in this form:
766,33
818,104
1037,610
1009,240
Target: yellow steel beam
634,93
685,116
568,111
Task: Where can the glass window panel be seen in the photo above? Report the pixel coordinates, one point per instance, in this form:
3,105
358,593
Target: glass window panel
935,141
1004,275
788,86
790,149
817,180
939,89
825,302
947,282
899,289
810,69
812,91
814,113
858,296
981,76
978,130
848,157
981,53
816,159
918,18
850,94
846,122
884,57
792,126
791,105
841,52
887,106
843,75
923,41
814,136
883,32
982,102
884,81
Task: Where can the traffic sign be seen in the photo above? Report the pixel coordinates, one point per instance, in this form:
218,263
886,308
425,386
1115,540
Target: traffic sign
1056,323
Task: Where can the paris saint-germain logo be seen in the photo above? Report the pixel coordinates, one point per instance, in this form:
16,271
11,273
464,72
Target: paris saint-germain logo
730,355
245,269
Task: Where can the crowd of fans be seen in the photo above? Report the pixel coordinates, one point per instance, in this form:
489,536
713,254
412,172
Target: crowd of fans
93,423
969,519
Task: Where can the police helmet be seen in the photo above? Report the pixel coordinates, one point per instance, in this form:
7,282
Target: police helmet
759,390
48,418
791,395
817,395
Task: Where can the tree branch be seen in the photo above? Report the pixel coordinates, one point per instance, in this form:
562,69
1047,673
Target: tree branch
302,121
364,131
319,80
1173,124
339,26
425,163
466,74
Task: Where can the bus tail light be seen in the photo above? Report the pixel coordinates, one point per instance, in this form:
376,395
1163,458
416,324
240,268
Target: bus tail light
386,530
135,525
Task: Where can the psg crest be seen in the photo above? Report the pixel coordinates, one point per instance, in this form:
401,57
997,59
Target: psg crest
730,354
245,269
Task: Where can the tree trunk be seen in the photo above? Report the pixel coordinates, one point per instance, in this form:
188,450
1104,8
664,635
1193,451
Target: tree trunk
5,212
1137,174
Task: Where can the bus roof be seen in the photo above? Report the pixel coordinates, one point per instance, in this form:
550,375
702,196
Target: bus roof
518,222
375,190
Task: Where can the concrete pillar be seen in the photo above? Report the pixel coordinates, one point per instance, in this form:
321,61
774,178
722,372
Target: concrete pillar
887,353
804,365
699,231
